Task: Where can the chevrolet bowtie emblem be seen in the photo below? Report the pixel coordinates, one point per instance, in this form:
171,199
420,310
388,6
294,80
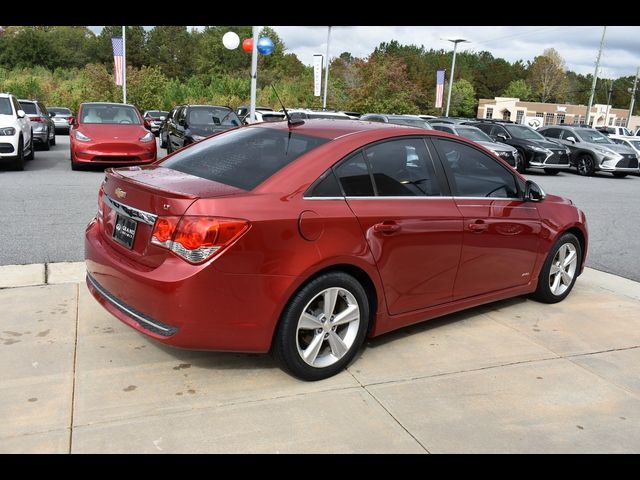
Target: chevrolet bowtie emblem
120,193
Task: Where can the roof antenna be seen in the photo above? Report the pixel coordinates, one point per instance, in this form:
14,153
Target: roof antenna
297,121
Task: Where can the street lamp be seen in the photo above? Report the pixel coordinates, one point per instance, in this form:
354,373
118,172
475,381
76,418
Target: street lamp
453,68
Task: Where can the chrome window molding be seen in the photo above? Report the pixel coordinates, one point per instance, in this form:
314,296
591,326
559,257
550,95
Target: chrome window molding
134,213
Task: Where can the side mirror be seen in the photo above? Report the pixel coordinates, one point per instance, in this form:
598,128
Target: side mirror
533,192
571,139
502,137
162,119
72,121
20,113
52,114
147,125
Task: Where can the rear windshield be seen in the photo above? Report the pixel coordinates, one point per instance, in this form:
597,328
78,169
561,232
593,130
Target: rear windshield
60,111
29,108
156,113
413,122
5,106
110,114
243,158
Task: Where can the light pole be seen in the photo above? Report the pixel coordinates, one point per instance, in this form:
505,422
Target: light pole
326,72
453,68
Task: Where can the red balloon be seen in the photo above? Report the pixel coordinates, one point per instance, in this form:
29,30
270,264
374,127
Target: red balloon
247,45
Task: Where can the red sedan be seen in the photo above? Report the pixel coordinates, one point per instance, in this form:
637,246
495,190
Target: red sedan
303,239
110,134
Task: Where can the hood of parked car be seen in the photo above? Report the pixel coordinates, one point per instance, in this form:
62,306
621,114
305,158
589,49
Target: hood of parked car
104,132
621,149
497,147
546,143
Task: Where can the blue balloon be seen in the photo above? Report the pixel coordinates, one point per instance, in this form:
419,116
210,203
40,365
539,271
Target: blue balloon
265,46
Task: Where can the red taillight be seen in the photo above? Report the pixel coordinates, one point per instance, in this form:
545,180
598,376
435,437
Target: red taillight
36,119
197,239
100,202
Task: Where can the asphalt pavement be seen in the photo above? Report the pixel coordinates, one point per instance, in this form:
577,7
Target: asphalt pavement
44,210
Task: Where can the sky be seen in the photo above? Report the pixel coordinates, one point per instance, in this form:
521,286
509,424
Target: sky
578,45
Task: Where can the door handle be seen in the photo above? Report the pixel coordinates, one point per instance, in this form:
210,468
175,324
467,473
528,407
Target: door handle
478,226
387,227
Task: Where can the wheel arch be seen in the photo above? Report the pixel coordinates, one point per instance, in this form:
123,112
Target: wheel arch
579,234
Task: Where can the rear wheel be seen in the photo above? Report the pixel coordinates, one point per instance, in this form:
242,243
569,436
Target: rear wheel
47,143
560,270
585,165
619,174
322,327
169,147
53,139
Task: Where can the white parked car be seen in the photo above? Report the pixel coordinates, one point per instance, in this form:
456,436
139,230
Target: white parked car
16,136
266,116
630,141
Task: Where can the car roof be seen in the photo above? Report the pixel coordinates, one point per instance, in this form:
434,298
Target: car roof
333,129
108,103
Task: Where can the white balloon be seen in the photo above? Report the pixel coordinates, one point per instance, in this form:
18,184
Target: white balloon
231,40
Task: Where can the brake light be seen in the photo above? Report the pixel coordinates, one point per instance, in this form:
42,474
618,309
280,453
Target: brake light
36,119
197,239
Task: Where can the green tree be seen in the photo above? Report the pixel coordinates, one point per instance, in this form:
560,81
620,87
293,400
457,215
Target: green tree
463,99
146,87
518,89
172,48
547,77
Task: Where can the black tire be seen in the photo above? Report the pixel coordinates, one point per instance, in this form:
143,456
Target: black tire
47,144
75,166
544,292
521,166
32,152
169,146
163,143
53,140
285,343
585,165
619,174
18,163
548,171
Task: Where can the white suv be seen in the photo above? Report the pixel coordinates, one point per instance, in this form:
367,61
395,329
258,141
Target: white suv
16,144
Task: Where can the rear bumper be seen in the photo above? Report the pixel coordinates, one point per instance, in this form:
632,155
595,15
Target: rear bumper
201,307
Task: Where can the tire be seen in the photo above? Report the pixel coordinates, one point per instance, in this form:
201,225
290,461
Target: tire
294,342
169,147
554,287
75,166
47,144
619,174
521,165
32,151
53,140
585,165
18,163
163,142
551,172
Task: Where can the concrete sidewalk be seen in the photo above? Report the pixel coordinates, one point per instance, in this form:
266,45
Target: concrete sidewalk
513,376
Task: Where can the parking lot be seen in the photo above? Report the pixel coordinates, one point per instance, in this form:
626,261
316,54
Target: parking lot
44,210
512,376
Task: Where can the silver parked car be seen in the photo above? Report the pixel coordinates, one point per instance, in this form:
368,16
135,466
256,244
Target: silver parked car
44,130
506,152
592,151
62,118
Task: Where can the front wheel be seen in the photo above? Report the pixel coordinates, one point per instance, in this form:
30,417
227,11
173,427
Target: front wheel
18,163
619,174
521,162
551,172
585,165
322,327
560,270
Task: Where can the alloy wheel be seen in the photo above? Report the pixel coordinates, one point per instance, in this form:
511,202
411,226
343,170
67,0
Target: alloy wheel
563,269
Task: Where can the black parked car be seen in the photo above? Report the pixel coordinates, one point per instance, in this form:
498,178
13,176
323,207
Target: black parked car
536,150
192,123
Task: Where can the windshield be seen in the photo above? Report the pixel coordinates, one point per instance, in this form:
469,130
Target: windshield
29,108
244,157
60,111
5,106
592,136
212,116
156,114
523,133
474,134
110,115
413,122
635,144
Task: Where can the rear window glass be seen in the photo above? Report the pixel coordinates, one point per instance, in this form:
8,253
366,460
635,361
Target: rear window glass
243,158
29,108
60,111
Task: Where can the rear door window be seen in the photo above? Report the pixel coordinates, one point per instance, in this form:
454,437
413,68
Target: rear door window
29,108
243,158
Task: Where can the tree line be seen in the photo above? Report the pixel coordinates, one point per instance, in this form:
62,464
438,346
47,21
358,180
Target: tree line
169,65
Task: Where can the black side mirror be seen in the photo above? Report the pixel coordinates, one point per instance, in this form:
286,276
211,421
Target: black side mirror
52,114
501,136
533,192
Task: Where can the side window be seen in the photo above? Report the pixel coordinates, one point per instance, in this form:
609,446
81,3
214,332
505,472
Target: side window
355,178
442,128
484,127
402,168
498,130
474,174
182,114
568,133
552,133
326,186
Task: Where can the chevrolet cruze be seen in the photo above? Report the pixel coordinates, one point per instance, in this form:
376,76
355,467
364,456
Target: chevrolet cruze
302,239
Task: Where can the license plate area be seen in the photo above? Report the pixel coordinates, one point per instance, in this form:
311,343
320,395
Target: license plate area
124,231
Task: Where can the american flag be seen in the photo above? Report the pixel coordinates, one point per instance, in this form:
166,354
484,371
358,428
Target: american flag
118,59
439,88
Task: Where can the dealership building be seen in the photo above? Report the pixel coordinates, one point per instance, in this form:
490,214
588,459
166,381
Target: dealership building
537,114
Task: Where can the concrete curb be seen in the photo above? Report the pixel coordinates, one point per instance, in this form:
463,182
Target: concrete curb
14,276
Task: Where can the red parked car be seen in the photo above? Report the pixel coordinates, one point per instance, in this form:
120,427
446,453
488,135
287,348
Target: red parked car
304,239
110,134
